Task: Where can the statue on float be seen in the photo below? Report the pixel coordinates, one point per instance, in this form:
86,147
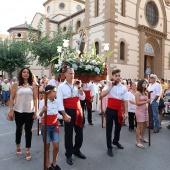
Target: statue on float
81,41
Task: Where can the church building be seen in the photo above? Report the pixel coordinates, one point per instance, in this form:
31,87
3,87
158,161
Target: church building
138,30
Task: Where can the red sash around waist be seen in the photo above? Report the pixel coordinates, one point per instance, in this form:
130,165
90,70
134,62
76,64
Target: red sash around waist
52,120
116,104
87,93
74,103
88,98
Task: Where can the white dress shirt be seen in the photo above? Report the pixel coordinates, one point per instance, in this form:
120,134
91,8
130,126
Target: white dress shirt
157,90
66,90
131,107
89,86
52,108
118,92
53,82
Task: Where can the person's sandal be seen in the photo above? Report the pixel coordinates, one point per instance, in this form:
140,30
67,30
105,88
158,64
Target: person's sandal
28,156
140,145
19,152
145,140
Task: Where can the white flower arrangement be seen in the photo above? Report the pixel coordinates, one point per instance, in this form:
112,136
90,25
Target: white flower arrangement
89,63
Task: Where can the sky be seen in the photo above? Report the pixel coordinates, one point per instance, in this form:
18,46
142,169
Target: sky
16,12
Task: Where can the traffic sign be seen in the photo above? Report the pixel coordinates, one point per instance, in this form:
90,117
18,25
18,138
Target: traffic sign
148,71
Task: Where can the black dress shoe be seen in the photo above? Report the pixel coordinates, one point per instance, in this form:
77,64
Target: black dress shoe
70,161
118,145
110,152
91,123
80,155
55,167
50,168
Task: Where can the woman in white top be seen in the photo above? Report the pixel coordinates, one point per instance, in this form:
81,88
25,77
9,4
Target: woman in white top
132,106
24,104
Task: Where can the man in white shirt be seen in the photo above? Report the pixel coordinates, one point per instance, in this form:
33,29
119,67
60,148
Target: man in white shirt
155,89
69,96
89,91
117,95
55,81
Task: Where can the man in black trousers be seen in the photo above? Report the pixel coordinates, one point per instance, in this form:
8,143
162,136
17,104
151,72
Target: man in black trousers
69,96
116,110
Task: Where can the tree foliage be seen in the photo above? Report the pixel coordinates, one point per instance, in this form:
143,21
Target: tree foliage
44,48
13,55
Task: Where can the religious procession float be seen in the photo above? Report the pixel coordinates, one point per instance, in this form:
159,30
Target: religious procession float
88,65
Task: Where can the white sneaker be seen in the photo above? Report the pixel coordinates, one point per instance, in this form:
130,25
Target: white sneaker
39,132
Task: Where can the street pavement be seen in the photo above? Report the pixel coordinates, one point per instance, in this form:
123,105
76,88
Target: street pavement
154,157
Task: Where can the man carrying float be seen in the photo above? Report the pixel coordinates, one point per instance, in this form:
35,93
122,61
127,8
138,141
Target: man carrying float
69,96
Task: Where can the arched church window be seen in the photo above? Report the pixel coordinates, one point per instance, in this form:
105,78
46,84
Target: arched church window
97,47
123,8
19,34
78,25
64,29
96,8
149,48
48,9
152,13
122,51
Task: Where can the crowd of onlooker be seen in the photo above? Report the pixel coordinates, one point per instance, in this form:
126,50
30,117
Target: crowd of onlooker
164,99
163,105
5,85
141,96
130,84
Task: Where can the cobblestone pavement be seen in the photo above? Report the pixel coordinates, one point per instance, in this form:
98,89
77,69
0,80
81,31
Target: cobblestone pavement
155,157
